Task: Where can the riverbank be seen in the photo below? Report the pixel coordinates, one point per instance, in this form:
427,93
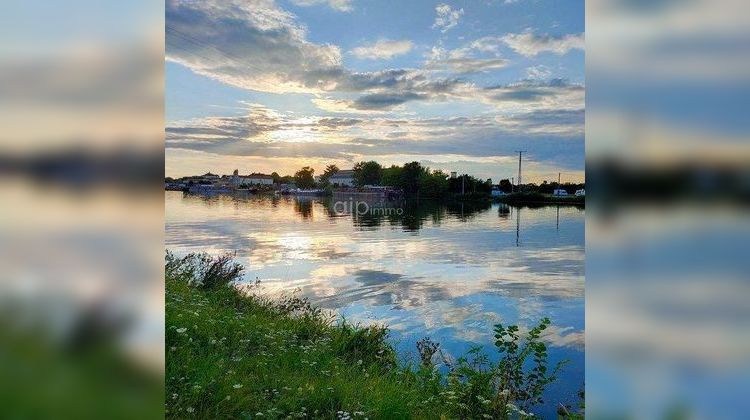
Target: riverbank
538,198
231,354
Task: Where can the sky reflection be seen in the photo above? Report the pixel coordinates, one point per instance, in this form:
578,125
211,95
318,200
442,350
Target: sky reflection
450,272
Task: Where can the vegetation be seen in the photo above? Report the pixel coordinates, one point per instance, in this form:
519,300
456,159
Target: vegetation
367,173
234,354
330,171
304,178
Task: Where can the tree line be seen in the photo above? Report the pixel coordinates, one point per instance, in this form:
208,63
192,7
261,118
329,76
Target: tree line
412,178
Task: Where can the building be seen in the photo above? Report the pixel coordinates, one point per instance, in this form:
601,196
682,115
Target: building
559,192
259,179
344,178
238,180
208,176
581,192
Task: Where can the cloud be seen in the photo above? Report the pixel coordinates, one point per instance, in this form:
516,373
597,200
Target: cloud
250,44
447,17
552,94
385,100
466,59
255,45
265,133
529,44
539,72
340,5
383,49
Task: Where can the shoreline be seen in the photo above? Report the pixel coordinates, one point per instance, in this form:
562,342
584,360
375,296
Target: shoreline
231,353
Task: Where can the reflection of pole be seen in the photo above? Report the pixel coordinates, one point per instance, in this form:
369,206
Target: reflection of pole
557,225
518,225
463,178
512,184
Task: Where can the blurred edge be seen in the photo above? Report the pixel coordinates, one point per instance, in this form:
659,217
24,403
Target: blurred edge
668,168
81,304
81,233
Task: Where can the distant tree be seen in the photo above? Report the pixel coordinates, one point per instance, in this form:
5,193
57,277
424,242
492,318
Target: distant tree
505,185
367,173
410,175
391,176
304,178
328,173
433,184
276,177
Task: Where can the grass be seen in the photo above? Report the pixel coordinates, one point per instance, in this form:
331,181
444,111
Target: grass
232,354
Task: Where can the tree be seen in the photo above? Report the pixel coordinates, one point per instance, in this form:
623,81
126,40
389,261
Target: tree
391,176
328,173
410,177
304,178
367,173
505,185
276,177
433,184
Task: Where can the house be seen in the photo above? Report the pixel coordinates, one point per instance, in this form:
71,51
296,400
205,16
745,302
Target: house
238,180
208,176
559,192
343,178
259,179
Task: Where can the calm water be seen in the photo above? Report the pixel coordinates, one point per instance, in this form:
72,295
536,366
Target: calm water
447,272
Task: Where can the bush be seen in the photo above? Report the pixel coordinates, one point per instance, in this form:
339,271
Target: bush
202,271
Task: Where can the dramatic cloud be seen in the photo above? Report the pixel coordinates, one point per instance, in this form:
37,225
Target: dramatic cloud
447,17
340,5
250,44
255,45
383,49
529,44
267,133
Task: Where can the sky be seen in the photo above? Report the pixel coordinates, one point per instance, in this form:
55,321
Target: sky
264,85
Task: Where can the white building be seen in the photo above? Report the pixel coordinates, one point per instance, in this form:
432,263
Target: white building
581,193
343,178
259,179
559,192
252,179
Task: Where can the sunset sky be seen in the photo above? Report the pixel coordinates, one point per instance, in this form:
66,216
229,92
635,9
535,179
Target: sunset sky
263,85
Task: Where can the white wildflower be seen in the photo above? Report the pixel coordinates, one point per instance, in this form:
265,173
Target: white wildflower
237,386
181,330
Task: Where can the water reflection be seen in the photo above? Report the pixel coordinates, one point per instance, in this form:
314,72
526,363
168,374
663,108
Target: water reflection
450,271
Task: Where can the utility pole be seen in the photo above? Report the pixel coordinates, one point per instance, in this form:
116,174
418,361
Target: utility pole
520,154
463,178
558,178
511,183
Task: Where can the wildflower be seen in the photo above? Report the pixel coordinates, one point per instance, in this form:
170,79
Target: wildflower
259,414
174,396
181,330
359,362
190,410
237,386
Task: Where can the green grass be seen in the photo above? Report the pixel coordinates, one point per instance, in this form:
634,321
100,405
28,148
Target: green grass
231,354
